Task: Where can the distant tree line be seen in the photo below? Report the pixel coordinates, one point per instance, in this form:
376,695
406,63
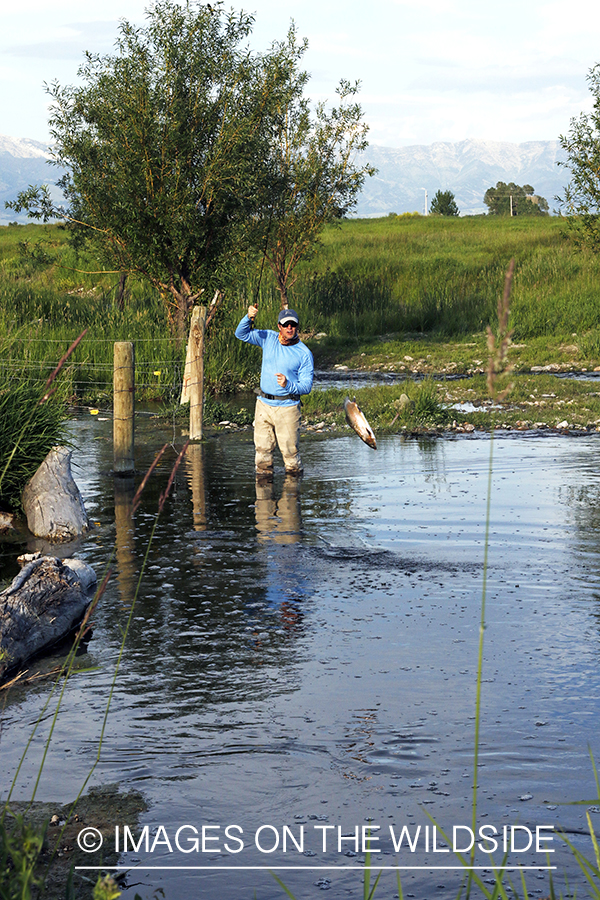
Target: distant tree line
503,200
514,200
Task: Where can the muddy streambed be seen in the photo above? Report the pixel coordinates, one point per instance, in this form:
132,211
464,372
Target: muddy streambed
301,663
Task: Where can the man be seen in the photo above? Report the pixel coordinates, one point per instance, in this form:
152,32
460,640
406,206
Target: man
287,373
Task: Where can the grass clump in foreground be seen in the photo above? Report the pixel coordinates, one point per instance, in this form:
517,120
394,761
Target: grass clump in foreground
28,431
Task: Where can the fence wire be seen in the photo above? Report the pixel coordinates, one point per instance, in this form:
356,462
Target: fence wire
164,376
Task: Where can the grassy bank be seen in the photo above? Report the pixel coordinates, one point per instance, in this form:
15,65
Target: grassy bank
406,294
535,402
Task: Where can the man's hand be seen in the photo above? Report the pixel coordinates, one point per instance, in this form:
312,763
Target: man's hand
252,312
281,379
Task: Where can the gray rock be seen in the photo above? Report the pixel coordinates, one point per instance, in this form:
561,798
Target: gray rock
52,502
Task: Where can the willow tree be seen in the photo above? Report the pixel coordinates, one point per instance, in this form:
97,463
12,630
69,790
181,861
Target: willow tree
313,172
164,143
581,197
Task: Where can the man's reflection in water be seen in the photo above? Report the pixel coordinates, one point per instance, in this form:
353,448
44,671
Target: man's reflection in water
278,520
279,523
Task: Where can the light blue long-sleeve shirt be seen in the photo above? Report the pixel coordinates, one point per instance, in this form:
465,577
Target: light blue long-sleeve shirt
295,361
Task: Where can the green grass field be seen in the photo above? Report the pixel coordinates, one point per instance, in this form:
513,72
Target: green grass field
402,293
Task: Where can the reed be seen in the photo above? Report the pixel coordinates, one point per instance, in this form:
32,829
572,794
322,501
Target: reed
23,447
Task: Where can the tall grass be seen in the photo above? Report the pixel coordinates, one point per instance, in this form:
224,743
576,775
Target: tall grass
444,276
28,431
435,276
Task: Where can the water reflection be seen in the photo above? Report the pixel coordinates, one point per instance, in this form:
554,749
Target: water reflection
278,520
195,465
125,538
279,526
309,650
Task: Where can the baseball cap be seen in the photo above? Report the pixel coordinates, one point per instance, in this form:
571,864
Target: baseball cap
286,316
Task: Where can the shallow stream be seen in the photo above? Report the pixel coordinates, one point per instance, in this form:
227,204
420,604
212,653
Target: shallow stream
302,660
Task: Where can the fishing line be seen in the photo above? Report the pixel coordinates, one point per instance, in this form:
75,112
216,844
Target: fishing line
262,265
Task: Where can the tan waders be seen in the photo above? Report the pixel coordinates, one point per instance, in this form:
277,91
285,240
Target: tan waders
277,426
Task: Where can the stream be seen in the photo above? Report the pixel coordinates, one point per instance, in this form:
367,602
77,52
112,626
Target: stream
299,678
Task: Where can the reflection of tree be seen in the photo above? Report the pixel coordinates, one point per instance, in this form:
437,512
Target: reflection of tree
583,501
433,462
360,742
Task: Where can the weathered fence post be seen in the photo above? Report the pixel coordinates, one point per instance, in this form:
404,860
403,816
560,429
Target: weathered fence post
196,358
124,406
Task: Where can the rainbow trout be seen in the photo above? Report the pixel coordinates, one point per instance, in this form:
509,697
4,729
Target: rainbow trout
356,419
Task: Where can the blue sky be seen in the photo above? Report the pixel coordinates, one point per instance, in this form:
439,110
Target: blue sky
430,70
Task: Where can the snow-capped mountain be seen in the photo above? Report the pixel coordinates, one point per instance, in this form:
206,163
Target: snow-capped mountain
22,162
467,168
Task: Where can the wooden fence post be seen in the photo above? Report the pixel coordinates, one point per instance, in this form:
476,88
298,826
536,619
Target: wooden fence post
196,358
124,406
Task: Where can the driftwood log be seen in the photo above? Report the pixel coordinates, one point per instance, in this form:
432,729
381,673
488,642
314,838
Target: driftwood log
52,502
45,601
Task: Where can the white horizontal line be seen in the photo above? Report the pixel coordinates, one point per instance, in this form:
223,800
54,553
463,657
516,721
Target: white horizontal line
319,868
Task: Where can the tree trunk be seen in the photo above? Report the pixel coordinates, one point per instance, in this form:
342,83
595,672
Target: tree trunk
180,321
185,302
120,295
52,501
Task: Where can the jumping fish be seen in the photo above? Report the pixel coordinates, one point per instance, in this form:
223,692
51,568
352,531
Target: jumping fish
356,419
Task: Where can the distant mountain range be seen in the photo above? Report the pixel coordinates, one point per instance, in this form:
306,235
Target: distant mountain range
467,168
22,162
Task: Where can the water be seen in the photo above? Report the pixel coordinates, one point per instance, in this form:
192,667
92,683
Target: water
307,658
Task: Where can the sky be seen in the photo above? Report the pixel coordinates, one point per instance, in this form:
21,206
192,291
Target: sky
430,70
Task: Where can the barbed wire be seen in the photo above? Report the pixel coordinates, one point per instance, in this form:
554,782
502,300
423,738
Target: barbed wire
168,374
66,340
17,365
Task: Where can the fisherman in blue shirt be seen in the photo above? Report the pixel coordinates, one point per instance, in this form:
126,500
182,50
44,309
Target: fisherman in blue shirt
287,373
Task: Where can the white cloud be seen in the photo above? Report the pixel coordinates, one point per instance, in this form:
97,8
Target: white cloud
430,69
579,22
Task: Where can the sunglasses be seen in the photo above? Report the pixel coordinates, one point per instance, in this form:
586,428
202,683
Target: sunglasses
288,324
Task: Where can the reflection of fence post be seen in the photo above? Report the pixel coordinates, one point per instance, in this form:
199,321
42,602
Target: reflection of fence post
125,541
194,462
196,387
123,403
